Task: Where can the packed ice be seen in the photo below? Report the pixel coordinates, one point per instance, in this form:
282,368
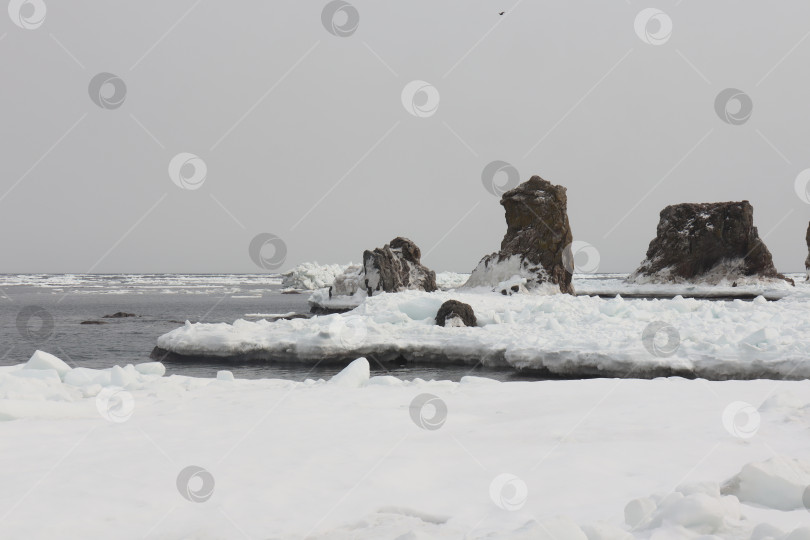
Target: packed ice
560,334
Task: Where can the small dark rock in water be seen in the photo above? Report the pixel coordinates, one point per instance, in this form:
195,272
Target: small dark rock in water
537,235
92,322
291,292
119,315
711,241
455,313
397,267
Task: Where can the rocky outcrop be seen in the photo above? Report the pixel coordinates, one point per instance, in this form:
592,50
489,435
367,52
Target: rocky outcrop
706,243
807,260
395,267
534,245
455,313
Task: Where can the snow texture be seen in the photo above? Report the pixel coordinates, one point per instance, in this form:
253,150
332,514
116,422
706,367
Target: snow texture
311,276
380,457
560,334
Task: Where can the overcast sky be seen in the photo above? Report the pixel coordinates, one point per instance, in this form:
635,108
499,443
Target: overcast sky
304,134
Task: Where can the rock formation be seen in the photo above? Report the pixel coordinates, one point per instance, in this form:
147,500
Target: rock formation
536,236
455,313
706,243
397,267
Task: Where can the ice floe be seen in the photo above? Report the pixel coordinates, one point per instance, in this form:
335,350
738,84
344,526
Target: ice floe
559,334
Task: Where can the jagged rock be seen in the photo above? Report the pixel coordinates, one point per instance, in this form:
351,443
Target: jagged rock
706,243
396,267
807,260
536,238
455,313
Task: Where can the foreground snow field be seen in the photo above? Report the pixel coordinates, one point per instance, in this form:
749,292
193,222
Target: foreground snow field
562,334
130,453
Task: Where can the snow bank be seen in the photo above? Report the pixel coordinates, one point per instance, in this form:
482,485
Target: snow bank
594,459
561,334
311,275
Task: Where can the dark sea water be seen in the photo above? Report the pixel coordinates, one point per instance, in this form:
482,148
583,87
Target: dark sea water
45,311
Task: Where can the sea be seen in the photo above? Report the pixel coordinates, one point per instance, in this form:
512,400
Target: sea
68,315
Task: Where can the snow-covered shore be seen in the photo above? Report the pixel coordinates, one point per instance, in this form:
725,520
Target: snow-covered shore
128,453
560,334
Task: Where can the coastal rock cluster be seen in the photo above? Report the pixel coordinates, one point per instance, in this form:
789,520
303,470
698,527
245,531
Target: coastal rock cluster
537,234
397,266
706,243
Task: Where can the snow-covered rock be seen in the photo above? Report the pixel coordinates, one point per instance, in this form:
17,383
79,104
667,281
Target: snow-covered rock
706,243
349,281
395,267
534,246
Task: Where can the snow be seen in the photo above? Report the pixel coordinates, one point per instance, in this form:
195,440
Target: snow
347,282
225,375
450,280
716,286
183,457
561,334
494,275
780,483
354,375
724,274
311,275
47,361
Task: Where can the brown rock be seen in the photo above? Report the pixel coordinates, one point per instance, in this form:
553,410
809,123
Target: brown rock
397,267
536,236
455,313
709,240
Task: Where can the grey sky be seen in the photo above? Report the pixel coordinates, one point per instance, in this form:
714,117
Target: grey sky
285,115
